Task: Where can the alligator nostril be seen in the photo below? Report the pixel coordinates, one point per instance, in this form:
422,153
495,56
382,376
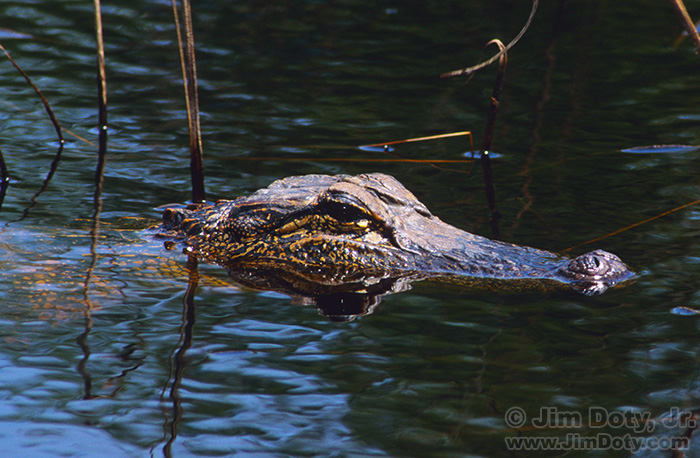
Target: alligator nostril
172,217
194,229
597,267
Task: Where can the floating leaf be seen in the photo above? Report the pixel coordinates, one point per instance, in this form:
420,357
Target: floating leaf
665,149
685,311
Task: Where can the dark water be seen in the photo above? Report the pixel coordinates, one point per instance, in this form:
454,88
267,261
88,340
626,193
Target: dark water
94,356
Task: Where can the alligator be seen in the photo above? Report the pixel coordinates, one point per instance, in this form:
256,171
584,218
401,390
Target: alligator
362,230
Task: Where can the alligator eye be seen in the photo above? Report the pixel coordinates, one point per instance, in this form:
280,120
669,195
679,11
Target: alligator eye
344,212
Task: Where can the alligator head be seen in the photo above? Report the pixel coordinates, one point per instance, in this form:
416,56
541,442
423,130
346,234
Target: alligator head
361,229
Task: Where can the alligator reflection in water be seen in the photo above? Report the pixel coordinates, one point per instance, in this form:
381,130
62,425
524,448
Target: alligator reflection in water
338,302
318,235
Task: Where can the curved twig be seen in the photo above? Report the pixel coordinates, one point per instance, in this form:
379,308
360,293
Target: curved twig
479,66
687,23
54,121
57,126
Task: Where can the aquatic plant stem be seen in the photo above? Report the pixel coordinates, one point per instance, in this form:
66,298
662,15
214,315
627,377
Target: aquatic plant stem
4,179
101,94
488,137
189,78
687,22
97,201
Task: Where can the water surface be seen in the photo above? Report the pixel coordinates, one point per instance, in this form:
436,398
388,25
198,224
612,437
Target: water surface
94,355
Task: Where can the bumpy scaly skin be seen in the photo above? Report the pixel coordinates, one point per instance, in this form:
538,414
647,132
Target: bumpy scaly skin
333,229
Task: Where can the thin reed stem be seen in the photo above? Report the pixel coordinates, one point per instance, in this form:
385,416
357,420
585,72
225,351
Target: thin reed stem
101,94
4,179
189,78
488,137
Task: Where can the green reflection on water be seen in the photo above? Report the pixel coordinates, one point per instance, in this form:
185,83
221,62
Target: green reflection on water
432,371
